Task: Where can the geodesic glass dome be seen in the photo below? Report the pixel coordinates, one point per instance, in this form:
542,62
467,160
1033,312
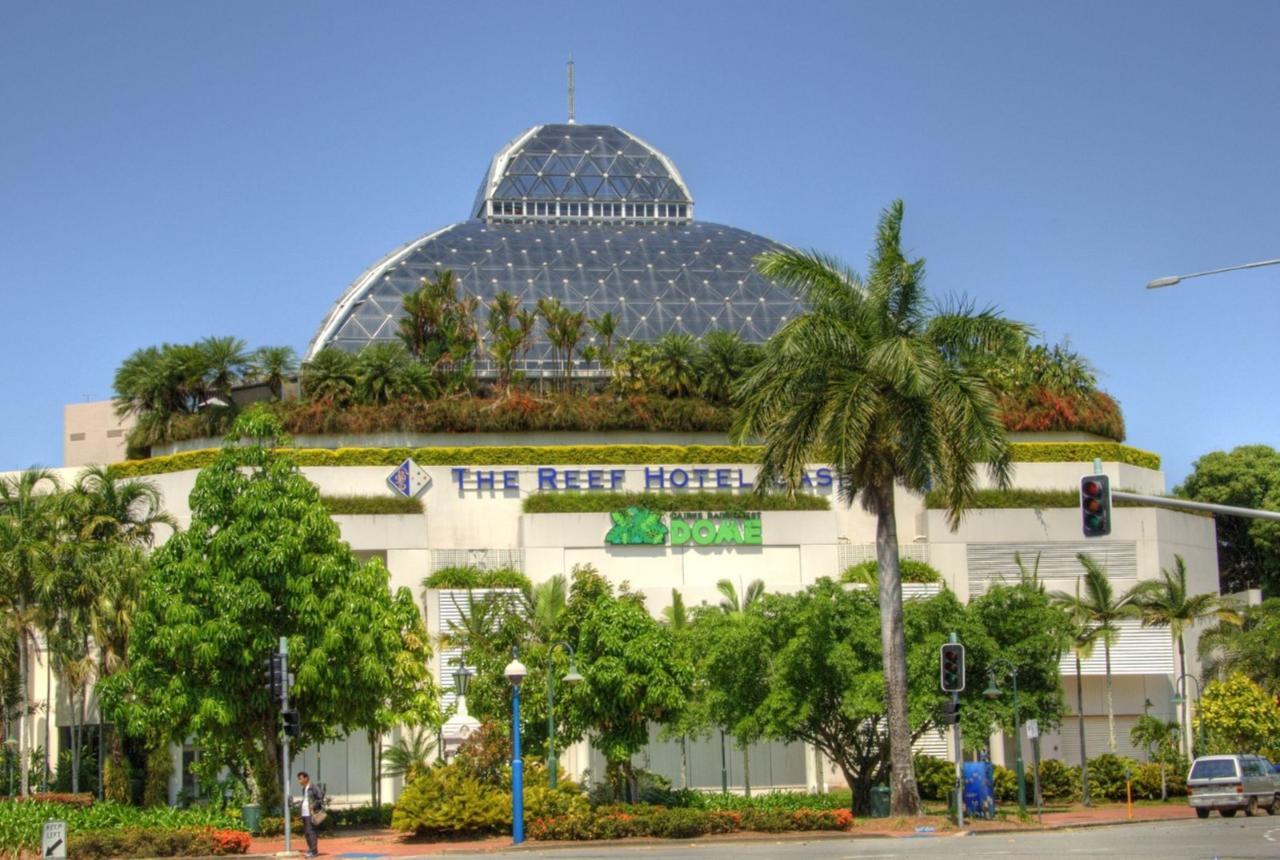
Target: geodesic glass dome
590,215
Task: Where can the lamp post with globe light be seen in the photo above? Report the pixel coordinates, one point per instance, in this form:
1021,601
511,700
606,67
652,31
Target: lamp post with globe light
1178,699
516,673
571,678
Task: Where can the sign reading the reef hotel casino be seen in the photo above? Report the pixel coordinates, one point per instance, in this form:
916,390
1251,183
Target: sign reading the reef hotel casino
656,478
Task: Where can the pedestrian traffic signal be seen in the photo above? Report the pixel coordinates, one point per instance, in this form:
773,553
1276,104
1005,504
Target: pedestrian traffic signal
952,667
275,677
1095,505
292,724
950,713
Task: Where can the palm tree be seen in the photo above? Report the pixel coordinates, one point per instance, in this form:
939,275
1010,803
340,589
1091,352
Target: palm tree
118,585
386,372
1101,611
273,365
545,607
606,328
29,525
719,364
874,380
1166,603
225,361
730,604
410,755
1082,636
676,617
675,357
329,375
108,511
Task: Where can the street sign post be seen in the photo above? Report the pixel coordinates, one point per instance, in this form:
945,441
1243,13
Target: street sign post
53,841
1033,732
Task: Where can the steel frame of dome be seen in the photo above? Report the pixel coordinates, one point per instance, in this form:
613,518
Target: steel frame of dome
628,251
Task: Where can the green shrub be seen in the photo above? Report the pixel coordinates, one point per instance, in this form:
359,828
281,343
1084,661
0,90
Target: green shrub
472,577
599,455
1059,781
443,800
868,572
1146,781
935,777
1006,785
21,822
156,842
789,801
377,505
622,821
1106,776
729,503
360,816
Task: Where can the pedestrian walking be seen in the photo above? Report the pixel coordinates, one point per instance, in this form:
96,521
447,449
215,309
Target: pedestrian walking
312,811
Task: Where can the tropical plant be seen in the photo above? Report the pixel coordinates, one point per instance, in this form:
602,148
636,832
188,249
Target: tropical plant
731,604
1166,602
273,365
329,376
873,379
564,329
675,358
410,755
30,522
1082,635
508,334
438,328
224,360
386,372
1237,715
1102,611
1250,647
723,358
605,328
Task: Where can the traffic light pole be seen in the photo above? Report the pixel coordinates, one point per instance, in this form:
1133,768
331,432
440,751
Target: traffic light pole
955,735
284,765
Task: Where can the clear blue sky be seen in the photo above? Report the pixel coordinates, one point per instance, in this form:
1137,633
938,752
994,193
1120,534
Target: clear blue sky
175,170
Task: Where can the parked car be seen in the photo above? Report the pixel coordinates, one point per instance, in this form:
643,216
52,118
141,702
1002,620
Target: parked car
1231,782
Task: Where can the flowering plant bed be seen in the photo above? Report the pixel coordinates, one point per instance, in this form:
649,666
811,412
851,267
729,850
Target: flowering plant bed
622,822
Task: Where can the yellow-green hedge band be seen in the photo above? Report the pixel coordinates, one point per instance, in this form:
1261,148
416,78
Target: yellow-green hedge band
601,455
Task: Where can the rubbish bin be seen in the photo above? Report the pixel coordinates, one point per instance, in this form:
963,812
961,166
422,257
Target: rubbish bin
251,814
979,789
880,801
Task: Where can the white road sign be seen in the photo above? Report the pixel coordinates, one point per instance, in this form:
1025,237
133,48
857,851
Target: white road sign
1033,729
54,841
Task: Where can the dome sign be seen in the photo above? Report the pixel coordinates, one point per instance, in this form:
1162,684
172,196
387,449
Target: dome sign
636,526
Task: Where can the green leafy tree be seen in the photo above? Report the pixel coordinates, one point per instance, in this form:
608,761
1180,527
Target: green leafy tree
1239,716
263,560
1101,610
605,329
508,335
1251,647
1166,602
439,329
873,380
1248,550
632,670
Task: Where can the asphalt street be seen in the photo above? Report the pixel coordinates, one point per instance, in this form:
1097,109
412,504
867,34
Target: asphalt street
1214,838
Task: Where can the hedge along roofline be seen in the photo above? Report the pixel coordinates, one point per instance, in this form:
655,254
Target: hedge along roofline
592,503
601,455
370,505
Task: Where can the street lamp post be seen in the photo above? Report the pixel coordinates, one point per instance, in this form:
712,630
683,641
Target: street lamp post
1174,279
994,692
1179,699
571,678
516,673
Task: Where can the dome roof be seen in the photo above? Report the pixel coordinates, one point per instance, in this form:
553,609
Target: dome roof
594,217
580,162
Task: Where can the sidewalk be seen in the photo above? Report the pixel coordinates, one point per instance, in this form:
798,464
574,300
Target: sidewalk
370,844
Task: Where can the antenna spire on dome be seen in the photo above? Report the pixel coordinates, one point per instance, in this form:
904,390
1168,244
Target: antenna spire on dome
572,120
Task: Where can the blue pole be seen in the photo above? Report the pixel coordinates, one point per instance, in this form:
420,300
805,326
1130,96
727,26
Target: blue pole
517,774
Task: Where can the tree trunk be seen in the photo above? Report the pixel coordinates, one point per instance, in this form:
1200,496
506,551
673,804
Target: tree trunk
1111,711
266,772
902,779
1084,756
746,768
24,681
684,762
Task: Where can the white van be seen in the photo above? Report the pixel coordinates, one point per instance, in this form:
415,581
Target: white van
1230,782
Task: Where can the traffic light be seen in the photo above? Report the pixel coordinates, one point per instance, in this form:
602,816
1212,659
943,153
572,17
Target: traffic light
275,677
292,725
952,667
950,713
1095,505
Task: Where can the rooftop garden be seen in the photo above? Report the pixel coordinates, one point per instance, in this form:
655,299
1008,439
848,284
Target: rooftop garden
428,381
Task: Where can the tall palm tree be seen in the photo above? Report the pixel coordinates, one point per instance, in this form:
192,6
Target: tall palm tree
118,586
105,510
1082,636
606,328
30,520
545,607
1166,603
225,361
1102,611
874,380
676,617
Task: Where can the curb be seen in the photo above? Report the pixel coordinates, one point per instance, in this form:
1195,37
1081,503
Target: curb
1076,825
